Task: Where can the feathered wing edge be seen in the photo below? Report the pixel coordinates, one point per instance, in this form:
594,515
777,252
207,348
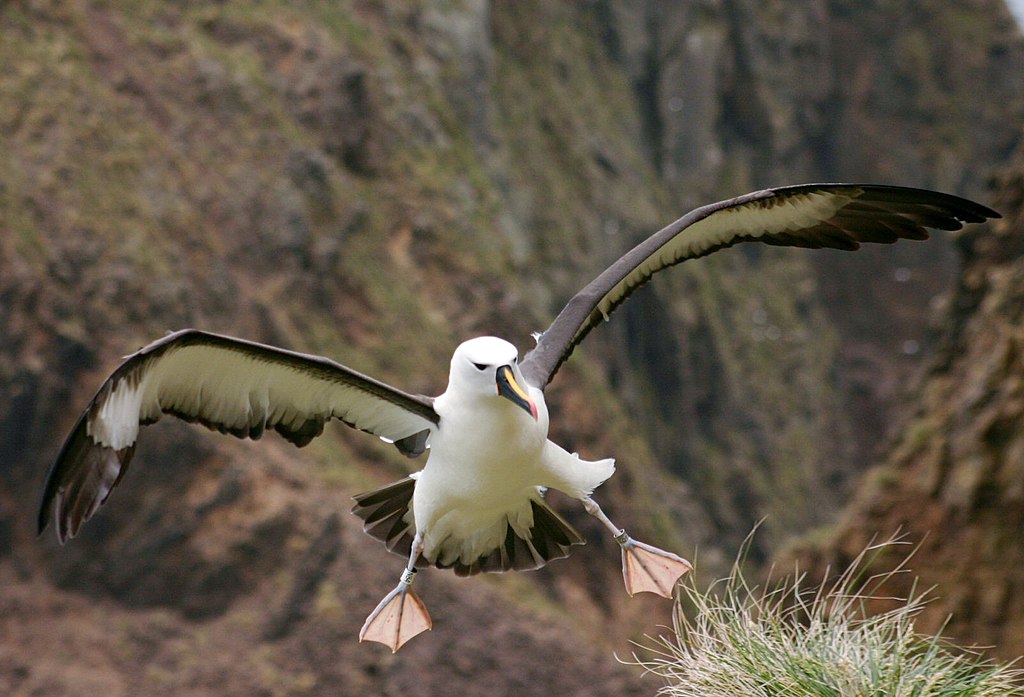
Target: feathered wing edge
80,481
85,471
862,213
387,516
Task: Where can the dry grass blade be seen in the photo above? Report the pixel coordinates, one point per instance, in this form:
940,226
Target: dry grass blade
797,640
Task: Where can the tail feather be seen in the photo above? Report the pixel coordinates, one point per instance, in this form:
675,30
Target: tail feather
387,517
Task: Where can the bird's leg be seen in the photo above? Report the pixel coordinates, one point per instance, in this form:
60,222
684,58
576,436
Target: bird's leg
401,615
644,568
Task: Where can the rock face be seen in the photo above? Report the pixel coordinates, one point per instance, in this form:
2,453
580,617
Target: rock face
376,181
954,482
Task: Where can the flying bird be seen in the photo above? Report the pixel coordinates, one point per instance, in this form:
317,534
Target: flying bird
478,503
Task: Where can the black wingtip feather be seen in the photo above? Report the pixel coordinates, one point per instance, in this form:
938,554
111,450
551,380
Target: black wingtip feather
79,482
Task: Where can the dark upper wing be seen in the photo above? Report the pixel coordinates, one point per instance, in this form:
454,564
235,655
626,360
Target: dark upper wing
840,216
234,386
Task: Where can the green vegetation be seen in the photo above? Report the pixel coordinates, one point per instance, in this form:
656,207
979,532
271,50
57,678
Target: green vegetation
798,639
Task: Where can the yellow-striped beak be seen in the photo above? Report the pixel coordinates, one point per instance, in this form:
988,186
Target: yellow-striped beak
511,390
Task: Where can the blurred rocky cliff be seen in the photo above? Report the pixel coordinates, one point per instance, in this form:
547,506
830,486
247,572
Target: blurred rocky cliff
954,482
378,180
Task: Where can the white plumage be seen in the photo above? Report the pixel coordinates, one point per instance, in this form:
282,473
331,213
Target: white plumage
489,459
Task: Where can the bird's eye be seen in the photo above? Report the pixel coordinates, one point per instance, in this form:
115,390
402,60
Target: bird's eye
480,366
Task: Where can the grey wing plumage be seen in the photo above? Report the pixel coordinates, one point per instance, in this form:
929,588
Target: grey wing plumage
838,216
233,386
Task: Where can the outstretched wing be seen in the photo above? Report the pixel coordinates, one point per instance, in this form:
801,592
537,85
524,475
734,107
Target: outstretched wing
231,385
840,216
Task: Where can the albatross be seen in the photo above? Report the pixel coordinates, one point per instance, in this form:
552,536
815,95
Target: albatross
478,504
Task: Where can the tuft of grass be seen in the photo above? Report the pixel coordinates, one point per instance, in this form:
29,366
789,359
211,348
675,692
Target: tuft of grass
796,639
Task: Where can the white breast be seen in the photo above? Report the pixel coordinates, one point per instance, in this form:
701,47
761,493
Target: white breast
485,464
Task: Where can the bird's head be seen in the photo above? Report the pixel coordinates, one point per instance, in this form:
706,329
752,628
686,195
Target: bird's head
490,366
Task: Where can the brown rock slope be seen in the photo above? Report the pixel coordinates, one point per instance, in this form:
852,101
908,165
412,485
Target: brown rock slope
954,482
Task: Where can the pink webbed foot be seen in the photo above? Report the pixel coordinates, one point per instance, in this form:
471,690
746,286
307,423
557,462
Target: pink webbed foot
647,568
398,618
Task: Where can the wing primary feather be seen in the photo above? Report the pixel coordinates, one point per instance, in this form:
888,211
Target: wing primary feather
80,481
839,216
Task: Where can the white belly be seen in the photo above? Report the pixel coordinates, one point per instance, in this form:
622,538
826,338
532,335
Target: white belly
487,461
485,465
